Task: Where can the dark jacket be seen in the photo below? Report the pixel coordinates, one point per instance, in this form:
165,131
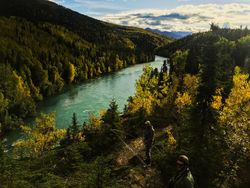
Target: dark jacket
149,135
183,179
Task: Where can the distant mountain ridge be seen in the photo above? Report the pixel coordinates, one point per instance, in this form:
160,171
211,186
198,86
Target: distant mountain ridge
90,29
173,34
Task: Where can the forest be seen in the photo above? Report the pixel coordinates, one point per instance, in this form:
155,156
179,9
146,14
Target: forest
199,107
39,58
201,110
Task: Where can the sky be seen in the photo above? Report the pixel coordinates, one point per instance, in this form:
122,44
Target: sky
166,15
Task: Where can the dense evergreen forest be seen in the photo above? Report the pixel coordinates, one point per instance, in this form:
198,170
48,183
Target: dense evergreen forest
42,53
200,107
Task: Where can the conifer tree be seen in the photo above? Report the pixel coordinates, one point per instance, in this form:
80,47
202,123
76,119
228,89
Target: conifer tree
111,127
112,116
74,128
2,161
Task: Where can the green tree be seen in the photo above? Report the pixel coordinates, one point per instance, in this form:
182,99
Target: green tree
2,162
73,133
178,62
214,27
74,128
112,115
3,104
110,131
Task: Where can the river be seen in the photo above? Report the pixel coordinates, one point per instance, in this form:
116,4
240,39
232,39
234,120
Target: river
93,95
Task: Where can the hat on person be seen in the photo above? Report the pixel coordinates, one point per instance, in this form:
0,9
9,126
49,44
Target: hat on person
184,159
147,123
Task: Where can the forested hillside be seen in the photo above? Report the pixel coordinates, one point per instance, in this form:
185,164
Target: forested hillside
105,36
41,53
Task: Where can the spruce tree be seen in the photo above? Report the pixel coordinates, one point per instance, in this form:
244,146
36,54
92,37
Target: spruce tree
74,128
112,116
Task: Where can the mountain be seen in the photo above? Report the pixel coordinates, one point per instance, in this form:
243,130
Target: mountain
173,34
45,47
108,36
198,40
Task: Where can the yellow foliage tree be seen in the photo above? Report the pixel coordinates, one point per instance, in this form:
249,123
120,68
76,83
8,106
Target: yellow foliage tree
170,138
217,100
182,100
146,92
72,72
22,91
43,137
234,120
235,113
118,63
190,86
95,121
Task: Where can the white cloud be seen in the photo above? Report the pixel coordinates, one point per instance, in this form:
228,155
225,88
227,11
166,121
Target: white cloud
193,18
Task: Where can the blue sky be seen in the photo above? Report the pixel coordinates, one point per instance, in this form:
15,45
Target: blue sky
171,15
99,7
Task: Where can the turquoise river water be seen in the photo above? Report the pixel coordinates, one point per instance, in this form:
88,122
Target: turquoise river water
95,94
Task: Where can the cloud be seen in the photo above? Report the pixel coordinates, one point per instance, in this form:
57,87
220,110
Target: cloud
193,18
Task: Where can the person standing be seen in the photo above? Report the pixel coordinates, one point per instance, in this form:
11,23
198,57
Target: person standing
148,141
183,178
